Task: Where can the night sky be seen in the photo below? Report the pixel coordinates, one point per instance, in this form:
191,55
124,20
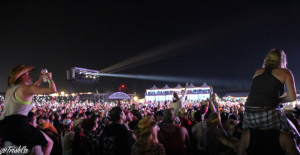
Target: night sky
220,43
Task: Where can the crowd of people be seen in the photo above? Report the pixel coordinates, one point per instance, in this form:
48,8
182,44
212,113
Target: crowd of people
77,129
260,126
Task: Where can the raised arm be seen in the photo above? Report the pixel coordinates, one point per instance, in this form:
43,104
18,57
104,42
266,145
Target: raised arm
34,89
38,82
290,87
212,106
183,93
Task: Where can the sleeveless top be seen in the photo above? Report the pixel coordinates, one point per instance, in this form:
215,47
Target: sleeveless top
173,142
177,105
264,142
14,107
67,143
265,90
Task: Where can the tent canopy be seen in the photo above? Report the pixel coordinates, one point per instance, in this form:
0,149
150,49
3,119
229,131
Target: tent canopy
178,87
166,87
119,96
153,88
204,85
191,86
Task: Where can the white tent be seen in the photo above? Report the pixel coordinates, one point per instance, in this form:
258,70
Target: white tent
204,86
191,86
166,87
153,88
178,87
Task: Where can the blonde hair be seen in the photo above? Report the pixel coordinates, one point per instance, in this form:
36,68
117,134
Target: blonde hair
145,133
275,58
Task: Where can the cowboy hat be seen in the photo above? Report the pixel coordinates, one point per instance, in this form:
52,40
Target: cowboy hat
289,108
183,112
17,72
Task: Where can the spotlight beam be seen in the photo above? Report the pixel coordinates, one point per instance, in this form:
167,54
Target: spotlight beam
216,81
174,48
150,56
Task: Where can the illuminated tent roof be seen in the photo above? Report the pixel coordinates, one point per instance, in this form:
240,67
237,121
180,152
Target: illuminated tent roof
178,87
153,88
205,86
119,96
236,95
166,87
191,86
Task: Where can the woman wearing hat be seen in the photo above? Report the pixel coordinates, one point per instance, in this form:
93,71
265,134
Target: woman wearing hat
14,125
147,142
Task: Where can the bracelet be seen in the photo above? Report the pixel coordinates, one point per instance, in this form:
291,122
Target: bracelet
50,81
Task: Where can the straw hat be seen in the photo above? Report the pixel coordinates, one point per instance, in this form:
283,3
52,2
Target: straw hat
17,72
144,126
183,112
289,108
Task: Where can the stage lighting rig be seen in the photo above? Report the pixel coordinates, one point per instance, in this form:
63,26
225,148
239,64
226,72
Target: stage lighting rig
82,75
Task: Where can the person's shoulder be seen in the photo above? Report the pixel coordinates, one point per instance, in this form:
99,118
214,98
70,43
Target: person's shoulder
282,70
158,146
107,128
9,90
182,128
260,71
217,131
116,126
194,127
204,124
72,133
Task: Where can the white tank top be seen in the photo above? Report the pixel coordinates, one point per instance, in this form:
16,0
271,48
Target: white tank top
14,107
